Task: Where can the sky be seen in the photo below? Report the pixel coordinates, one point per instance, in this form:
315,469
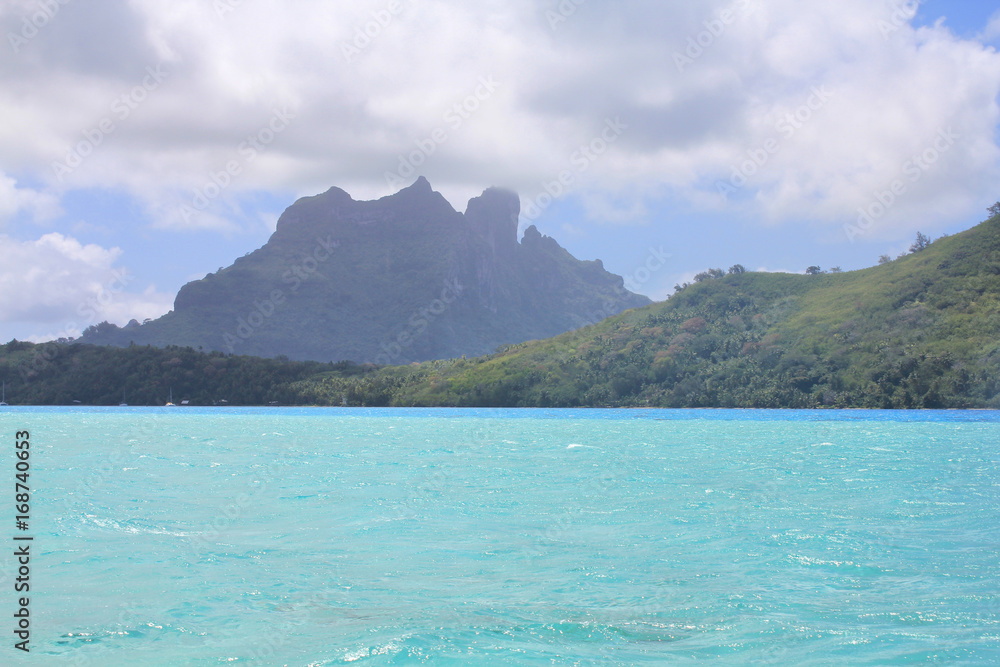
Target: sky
146,144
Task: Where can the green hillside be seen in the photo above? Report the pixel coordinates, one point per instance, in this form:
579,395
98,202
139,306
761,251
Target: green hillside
922,331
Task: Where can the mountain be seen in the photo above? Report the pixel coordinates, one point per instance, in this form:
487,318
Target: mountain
922,331
401,279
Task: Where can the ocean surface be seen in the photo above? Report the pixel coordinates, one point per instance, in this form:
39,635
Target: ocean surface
189,536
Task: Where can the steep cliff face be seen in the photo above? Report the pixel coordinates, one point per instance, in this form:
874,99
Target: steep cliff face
492,218
399,279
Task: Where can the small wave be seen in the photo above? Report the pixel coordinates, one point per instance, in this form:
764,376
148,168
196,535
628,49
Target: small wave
131,526
351,656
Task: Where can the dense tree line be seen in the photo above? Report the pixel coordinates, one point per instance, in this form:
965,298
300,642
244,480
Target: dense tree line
66,374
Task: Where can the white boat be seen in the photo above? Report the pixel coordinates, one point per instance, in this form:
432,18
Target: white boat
3,401
123,404
170,401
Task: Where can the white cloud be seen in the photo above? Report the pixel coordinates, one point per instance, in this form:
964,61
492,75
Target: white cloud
62,286
356,116
992,31
13,200
601,207
764,269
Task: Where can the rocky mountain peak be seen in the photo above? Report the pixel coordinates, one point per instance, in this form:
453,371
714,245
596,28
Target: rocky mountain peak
399,279
493,216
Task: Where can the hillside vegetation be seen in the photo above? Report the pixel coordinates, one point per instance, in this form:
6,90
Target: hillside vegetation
922,331
60,374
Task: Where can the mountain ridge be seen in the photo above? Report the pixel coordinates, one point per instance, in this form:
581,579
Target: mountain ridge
398,279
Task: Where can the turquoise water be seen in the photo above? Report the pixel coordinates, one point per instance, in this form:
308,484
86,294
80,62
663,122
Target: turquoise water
449,537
